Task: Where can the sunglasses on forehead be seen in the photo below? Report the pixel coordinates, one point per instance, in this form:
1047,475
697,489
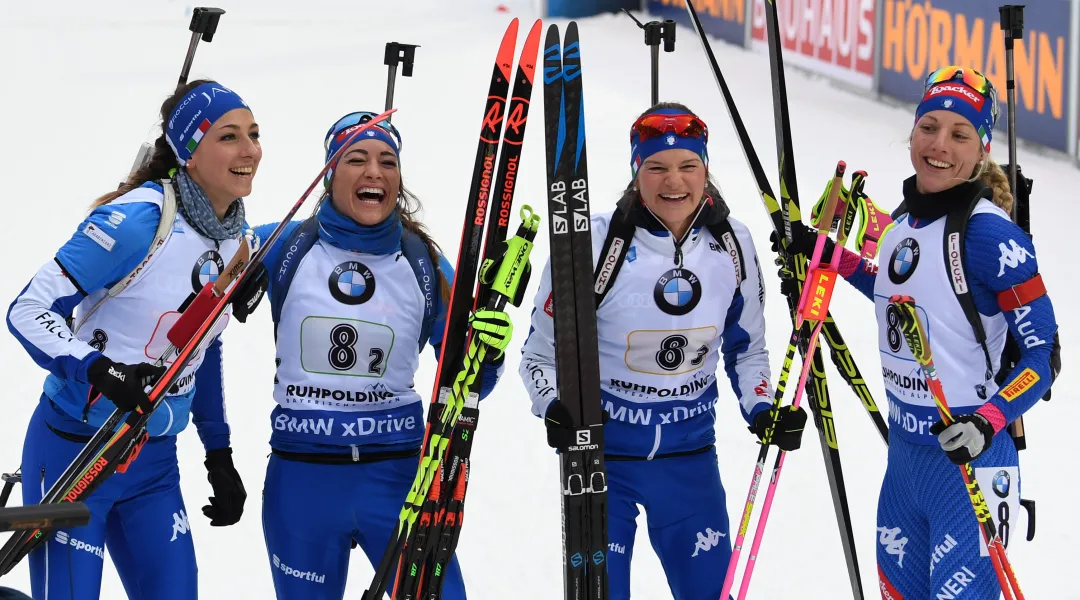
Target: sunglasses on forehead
969,77
656,125
341,130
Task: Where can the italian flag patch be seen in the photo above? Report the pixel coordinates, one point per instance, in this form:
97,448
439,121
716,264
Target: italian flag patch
982,135
203,128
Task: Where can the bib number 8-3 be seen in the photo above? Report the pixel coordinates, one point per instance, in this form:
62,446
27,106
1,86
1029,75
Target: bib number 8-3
668,352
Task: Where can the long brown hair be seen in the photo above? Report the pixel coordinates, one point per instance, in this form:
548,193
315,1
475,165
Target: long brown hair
162,161
407,208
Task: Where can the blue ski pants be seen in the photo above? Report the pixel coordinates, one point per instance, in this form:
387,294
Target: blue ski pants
137,517
687,516
929,544
313,512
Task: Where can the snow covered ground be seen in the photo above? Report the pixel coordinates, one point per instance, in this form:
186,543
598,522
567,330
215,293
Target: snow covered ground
82,82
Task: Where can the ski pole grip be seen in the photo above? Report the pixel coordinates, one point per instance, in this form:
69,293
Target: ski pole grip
204,21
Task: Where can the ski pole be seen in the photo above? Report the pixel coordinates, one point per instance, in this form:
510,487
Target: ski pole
919,344
813,306
759,465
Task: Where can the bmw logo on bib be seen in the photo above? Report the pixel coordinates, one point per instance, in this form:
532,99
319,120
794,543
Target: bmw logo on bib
206,269
352,283
1001,484
677,292
904,260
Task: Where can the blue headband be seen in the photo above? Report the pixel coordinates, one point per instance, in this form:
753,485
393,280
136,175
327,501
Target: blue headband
641,150
347,125
960,98
192,117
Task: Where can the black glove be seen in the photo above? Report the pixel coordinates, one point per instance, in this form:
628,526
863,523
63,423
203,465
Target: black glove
227,504
123,384
245,299
803,241
964,440
787,435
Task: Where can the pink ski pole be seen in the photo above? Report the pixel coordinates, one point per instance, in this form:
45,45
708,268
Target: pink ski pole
813,305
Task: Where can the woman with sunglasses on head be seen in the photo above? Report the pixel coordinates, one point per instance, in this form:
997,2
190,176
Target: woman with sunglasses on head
358,290
684,289
929,540
96,316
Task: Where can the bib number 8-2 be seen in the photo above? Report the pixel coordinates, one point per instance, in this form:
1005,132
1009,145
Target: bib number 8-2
330,346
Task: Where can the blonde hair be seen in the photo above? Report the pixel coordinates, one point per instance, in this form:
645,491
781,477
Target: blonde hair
994,177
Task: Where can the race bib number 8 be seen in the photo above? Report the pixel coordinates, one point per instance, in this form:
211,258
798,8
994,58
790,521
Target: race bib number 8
668,351
1000,487
336,346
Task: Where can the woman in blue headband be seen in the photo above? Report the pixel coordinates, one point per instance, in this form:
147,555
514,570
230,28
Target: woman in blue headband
358,290
684,290
953,244
95,316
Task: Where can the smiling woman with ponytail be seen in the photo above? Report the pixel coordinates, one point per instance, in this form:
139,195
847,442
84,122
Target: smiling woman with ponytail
94,317
923,501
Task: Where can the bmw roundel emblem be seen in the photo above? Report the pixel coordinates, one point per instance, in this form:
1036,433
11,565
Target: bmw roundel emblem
352,283
677,292
1001,484
206,269
904,260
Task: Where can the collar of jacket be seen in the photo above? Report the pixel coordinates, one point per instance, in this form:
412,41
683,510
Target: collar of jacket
930,207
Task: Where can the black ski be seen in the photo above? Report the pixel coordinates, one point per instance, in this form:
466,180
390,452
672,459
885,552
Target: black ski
583,476
817,391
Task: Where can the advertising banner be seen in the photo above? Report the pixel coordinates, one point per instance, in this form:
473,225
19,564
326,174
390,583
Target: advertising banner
920,37
723,19
575,9
831,37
